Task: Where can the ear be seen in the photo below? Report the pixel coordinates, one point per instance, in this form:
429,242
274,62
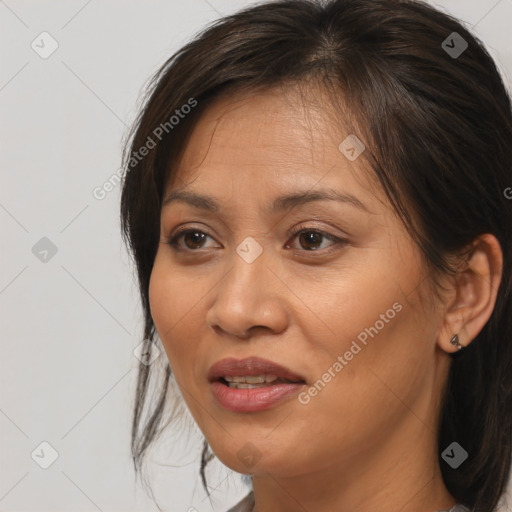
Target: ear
473,294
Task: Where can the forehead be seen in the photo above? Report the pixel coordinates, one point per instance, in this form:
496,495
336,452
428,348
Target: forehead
272,138
263,127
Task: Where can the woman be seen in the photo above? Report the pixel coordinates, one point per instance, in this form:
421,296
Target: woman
315,198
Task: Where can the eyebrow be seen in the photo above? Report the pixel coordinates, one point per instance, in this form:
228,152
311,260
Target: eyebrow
280,204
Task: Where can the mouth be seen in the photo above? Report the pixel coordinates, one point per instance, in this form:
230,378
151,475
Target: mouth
255,381
252,384
252,371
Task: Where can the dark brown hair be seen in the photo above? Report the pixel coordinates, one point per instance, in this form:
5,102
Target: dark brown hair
438,135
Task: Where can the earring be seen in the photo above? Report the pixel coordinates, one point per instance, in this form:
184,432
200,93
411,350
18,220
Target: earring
455,341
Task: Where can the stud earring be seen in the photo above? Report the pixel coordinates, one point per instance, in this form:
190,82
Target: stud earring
455,341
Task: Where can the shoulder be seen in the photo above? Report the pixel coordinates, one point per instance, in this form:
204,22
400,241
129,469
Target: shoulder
245,505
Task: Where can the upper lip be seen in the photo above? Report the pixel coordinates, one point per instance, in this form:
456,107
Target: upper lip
250,366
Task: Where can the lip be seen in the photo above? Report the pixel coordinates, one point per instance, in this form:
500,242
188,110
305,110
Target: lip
254,399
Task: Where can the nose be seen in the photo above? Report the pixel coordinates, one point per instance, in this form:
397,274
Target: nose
249,298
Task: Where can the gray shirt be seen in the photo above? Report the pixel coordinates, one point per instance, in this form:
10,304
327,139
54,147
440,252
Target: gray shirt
245,505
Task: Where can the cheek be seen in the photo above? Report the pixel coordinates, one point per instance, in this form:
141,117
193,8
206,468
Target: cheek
160,299
366,337
169,303
346,305
359,390
379,360
177,299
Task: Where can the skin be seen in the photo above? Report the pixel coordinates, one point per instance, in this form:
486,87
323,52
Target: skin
367,441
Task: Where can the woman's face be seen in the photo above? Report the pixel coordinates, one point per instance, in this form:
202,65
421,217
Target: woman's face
337,304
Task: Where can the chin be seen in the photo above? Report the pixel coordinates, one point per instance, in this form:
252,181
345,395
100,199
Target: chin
251,458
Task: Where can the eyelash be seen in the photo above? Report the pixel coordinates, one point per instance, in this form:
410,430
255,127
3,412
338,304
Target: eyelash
173,241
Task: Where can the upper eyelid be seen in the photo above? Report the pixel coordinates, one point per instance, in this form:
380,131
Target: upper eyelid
293,231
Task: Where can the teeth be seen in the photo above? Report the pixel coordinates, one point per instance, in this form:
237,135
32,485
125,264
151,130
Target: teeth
251,379
240,385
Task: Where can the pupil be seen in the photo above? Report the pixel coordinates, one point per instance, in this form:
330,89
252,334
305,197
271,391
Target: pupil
195,237
311,238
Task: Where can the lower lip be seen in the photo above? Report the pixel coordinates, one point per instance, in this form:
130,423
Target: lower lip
254,399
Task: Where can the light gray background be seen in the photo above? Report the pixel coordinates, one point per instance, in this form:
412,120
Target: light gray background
69,325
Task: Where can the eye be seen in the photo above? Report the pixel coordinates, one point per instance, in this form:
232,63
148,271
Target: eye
192,238
311,239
